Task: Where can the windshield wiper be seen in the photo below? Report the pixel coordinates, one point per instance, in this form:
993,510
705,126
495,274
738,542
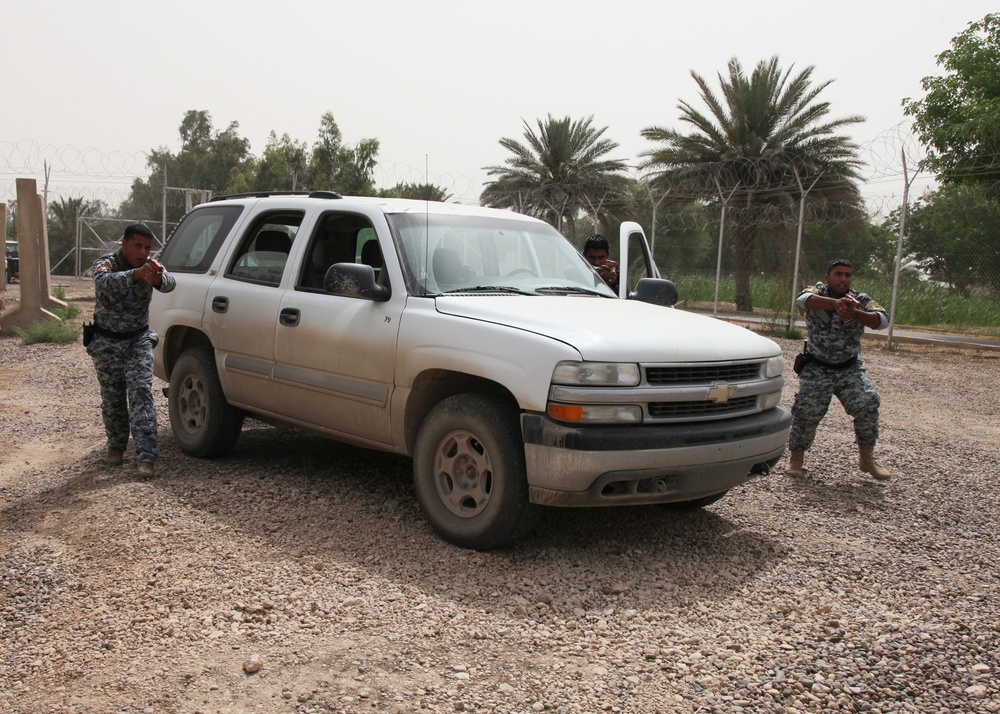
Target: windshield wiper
570,289
489,289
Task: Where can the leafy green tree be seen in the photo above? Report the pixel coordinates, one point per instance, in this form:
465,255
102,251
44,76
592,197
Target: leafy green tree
338,167
958,120
760,148
418,191
207,157
954,235
559,172
282,166
208,160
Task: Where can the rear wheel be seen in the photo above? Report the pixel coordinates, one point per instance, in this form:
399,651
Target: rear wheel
203,422
468,470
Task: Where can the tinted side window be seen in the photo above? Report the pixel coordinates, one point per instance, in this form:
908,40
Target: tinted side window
339,238
197,239
262,255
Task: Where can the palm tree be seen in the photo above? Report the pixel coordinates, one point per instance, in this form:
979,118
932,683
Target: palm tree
765,145
559,172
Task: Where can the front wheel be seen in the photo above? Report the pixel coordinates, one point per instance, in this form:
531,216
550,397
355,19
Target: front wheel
203,422
469,474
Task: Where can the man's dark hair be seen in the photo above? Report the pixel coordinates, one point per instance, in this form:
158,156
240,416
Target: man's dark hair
838,261
597,242
137,229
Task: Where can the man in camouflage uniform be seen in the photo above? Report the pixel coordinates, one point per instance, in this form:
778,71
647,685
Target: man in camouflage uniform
836,317
122,346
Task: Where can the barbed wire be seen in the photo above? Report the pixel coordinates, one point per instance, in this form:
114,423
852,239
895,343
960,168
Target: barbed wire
91,173
886,152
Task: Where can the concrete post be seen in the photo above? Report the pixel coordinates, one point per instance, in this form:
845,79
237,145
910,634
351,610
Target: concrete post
44,280
33,250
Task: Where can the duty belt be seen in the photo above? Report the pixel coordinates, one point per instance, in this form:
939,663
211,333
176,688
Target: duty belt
847,363
119,335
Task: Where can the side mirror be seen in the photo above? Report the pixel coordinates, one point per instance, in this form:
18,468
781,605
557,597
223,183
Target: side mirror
354,280
655,291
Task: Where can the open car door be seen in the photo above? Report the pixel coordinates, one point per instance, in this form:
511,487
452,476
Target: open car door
635,258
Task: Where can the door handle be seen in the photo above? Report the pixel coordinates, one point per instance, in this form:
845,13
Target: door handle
220,304
289,317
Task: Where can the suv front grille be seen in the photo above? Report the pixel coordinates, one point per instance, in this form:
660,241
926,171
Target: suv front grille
673,410
702,374
684,391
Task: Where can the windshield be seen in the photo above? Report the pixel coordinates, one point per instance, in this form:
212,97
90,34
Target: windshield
446,253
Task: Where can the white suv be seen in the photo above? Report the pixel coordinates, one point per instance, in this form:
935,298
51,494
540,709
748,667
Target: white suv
477,341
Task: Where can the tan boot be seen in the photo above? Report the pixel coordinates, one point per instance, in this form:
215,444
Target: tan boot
113,457
868,464
794,466
144,469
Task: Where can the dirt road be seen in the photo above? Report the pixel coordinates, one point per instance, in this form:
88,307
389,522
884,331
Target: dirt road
297,575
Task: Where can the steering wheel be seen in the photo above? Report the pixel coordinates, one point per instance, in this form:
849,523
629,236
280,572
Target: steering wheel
519,271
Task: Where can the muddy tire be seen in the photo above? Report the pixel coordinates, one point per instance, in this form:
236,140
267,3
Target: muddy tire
203,422
468,470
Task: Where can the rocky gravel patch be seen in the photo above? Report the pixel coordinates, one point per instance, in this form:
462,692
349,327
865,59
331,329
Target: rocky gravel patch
298,575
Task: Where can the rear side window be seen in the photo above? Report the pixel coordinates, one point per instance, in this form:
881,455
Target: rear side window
197,239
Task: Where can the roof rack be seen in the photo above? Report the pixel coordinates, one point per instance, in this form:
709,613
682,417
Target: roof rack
265,194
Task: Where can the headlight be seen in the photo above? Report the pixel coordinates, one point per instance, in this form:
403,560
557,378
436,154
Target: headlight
775,366
594,374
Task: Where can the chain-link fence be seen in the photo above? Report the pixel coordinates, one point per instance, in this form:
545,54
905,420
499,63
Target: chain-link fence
753,234
96,236
949,265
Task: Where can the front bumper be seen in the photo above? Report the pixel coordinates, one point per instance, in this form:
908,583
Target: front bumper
629,465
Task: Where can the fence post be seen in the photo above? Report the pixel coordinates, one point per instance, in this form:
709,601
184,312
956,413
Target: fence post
722,231
798,243
899,251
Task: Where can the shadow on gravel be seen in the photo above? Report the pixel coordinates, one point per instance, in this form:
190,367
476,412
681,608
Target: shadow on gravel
841,494
313,498
27,512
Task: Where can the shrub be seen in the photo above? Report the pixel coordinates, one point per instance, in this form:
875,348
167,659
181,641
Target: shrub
46,331
64,313
918,304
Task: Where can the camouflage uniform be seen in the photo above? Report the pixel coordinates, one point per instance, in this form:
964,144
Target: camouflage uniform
834,342
125,365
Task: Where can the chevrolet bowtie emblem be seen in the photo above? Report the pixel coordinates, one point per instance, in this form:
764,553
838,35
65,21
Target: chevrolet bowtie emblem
721,392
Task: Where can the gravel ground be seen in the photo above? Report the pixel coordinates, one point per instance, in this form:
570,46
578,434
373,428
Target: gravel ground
298,575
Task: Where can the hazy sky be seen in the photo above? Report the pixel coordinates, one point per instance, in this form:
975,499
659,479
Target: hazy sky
437,83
